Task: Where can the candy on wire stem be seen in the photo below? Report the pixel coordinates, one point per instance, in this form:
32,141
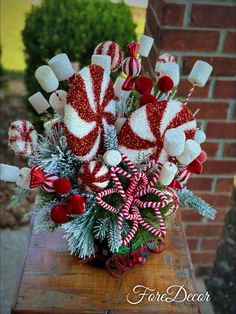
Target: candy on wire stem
190,94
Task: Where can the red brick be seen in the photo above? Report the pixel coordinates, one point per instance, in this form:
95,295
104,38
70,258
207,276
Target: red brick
192,244
209,110
216,200
157,7
210,244
221,66
224,185
221,214
189,215
173,14
217,167
203,271
203,258
185,86
230,42
225,130
230,150
200,184
210,148
208,230
204,15
189,40
153,26
225,89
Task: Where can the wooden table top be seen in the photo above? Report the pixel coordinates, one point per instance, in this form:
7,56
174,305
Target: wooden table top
53,282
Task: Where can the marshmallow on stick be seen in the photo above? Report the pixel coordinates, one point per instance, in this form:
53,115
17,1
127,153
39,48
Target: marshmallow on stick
57,101
112,157
200,136
145,43
9,173
191,151
39,103
200,73
61,66
23,180
46,78
170,69
104,61
167,173
119,92
119,123
174,142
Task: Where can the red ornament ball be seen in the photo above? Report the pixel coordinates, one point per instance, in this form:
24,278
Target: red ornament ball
62,186
195,166
165,84
147,99
144,85
202,157
75,204
59,214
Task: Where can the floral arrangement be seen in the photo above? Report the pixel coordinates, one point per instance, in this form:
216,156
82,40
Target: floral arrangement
114,161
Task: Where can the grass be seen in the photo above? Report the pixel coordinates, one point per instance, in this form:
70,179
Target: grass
12,22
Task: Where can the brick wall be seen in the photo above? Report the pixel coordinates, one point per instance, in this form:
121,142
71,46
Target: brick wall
203,30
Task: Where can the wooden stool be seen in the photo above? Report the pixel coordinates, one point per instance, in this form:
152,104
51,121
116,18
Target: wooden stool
53,282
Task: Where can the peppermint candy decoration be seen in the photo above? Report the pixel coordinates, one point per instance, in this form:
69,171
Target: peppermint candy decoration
91,106
183,177
166,57
93,176
143,132
113,50
131,66
22,137
39,178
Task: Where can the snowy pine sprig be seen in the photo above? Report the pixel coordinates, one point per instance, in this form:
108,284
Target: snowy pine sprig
188,199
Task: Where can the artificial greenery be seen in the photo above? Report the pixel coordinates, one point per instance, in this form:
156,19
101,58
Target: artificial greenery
74,27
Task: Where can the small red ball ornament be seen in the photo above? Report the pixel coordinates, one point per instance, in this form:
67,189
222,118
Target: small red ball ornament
195,166
75,204
144,85
59,214
165,84
62,186
148,99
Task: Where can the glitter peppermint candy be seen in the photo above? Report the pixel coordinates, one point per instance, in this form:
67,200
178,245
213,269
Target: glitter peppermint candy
143,132
22,137
113,50
91,106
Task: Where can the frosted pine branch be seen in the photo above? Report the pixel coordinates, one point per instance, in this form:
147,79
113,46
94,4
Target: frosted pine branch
110,137
188,199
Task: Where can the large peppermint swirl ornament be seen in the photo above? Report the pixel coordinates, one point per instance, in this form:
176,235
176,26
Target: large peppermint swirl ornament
22,137
91,105
143,132
113,50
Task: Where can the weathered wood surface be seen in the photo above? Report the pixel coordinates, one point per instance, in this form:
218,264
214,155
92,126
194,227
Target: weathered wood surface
53,282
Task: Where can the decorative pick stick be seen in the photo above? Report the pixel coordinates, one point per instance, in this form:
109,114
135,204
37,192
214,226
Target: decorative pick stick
190,93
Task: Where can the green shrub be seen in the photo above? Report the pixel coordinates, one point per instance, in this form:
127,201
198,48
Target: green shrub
74,27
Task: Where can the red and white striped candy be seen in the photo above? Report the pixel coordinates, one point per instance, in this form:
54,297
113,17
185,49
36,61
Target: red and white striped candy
143,132
22,137
91,105
165,57
93,176
183,177
113,50
131,66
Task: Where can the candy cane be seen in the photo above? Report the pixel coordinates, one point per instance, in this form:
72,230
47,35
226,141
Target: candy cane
190,94
130,164
103,203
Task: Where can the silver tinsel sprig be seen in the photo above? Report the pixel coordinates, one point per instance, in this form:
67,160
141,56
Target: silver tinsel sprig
188,199
110,137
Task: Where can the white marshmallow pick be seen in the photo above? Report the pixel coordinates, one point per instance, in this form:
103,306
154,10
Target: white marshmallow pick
174,142
167,174
9,173
191,150
46,78
200,136
23,180
119,92
39,103
57,101
112,157
104,61
170,69
119,123
61,66
145,43
200,73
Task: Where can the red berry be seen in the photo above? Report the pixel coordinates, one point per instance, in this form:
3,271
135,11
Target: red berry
75,204
148,99
144,85
165,84
62,186
139,259
59,214
195,166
